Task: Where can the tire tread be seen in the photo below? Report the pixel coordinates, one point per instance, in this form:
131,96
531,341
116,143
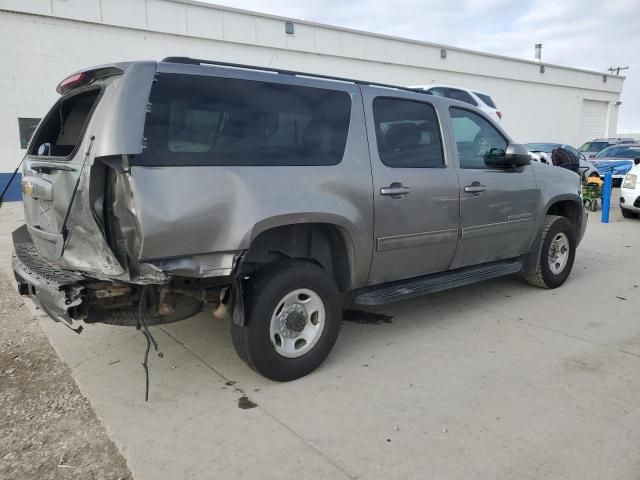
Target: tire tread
536,278
255,292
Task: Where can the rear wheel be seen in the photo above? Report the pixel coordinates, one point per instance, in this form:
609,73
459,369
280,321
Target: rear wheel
556,255
292,319
626,213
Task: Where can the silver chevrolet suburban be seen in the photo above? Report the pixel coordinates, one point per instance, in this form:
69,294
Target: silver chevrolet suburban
155,189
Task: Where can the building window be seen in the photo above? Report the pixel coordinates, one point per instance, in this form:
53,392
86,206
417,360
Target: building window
26,127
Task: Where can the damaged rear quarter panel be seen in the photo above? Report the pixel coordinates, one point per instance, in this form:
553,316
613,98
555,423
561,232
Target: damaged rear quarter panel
191,210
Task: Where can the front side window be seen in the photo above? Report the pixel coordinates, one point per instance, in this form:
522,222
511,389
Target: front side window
593,146
407,134
201,120
480,144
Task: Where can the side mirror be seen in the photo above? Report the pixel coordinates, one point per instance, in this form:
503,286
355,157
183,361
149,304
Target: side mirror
517,155
636,161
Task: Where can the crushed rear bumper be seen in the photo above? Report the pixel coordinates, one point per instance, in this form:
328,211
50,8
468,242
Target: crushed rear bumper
57,291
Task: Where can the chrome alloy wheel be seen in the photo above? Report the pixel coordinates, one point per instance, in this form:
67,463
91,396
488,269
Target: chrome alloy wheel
297,323
558,253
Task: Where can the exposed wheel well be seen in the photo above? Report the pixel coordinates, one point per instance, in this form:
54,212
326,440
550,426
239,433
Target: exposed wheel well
569,209
323,243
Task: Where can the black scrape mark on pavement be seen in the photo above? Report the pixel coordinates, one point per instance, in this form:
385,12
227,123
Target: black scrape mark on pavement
245,404
366,318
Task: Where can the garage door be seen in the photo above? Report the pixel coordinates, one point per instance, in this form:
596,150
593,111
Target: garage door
592,122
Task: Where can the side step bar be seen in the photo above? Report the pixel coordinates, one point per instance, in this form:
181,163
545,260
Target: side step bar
436,282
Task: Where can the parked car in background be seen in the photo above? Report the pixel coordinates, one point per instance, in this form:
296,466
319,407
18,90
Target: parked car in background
155,189
473,97
630,192
590,149
617,160
541,152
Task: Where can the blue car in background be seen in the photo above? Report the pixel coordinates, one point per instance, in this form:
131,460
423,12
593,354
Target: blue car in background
617,160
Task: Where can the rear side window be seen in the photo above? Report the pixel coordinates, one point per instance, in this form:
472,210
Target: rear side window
461,95
407,133
63,127
200,120
488,101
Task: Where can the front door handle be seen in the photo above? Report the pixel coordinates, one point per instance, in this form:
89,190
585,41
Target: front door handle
475,188
395,190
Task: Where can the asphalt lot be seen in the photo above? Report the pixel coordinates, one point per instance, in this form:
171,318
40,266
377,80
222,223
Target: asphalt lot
497,380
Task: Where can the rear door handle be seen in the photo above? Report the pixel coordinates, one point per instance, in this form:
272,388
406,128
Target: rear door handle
395,190
475,188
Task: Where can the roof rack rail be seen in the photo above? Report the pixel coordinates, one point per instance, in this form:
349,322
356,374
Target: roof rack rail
198,61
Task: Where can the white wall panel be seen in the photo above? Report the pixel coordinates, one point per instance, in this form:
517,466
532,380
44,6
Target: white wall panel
42,7
166,16
303,39
124,13
239,27
270,33
87,10
204,22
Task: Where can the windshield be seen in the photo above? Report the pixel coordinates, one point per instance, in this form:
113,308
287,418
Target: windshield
593,146
542,147
619,152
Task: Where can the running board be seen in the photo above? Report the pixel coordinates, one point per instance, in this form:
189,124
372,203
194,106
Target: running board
436,282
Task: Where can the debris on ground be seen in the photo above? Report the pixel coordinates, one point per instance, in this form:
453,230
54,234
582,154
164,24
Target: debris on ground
48,429
245,404
366,318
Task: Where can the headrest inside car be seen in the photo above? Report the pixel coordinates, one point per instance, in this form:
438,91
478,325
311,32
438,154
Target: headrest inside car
402,135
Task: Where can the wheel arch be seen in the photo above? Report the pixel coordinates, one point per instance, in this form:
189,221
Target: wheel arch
325,241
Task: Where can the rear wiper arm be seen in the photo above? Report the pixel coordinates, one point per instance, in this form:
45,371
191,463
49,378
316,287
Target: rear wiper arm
63,227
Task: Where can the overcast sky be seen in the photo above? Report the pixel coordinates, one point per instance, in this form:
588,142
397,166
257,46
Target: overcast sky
590,34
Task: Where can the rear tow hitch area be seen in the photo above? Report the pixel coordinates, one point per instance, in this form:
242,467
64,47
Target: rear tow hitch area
69,296
58,292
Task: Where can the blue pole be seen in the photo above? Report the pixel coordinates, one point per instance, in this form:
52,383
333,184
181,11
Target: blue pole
606,197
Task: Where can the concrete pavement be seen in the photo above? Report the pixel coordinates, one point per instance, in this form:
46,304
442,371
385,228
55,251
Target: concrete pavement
496,380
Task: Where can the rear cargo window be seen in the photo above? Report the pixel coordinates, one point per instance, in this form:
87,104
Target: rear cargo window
200,120
63,127
486,99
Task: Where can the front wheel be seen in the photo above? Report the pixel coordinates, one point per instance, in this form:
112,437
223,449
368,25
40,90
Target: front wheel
293,312
556,255
626,213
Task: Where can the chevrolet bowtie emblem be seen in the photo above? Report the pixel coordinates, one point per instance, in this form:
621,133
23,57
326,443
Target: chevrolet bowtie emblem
27,188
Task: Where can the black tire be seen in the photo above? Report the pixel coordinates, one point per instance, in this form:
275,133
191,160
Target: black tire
594,205
543,276
263,293
626,213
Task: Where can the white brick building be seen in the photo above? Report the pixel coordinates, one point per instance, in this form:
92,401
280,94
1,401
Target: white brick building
42,41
